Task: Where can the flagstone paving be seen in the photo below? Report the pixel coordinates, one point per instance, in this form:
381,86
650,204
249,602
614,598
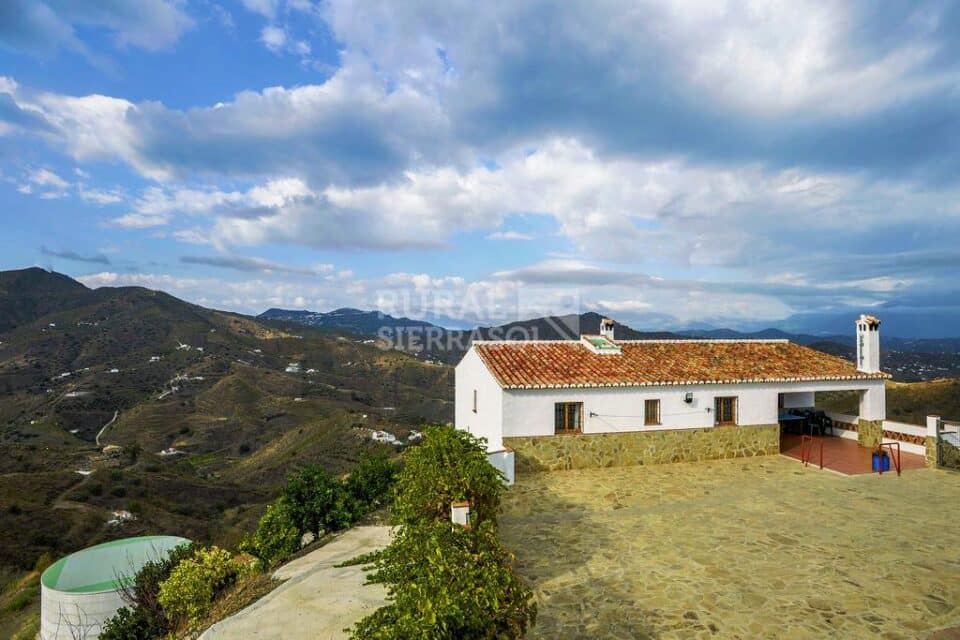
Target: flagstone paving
744,548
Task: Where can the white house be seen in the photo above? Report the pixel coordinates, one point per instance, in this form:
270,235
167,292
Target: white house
601,401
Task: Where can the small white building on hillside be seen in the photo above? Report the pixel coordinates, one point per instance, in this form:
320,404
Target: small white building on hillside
601,401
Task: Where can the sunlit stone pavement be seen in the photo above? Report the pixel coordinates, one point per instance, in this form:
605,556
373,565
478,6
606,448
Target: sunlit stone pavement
744,548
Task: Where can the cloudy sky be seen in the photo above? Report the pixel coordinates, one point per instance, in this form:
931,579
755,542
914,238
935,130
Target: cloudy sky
671,164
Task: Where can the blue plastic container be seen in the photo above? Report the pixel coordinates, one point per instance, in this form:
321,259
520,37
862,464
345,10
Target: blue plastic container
881,462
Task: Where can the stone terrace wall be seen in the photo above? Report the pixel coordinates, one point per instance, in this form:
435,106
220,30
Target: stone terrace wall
582,451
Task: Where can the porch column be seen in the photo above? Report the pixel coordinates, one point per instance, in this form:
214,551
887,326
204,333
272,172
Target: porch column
873,411
933,424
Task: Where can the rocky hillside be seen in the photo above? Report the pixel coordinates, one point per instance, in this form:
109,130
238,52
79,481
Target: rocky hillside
131,400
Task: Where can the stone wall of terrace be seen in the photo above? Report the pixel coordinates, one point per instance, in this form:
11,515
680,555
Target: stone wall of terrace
585,451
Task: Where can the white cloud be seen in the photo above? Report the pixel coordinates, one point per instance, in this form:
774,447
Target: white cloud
47,178
100,196
771,57
509,235
46,184
42,26
273,38
266,8
796,56
352,127
140,221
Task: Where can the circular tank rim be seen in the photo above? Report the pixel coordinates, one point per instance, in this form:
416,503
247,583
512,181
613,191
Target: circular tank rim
49,578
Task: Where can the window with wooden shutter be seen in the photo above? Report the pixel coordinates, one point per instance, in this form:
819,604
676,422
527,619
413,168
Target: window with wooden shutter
568,417
651,412
725,410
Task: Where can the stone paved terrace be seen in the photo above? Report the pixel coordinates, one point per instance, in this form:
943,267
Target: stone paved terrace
743,548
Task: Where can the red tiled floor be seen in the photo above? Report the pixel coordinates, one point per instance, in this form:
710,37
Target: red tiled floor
845,456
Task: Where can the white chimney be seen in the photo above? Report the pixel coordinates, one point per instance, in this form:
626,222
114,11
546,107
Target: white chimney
606,328
868,344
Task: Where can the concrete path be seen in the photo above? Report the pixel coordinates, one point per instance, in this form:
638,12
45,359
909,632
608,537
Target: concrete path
318,600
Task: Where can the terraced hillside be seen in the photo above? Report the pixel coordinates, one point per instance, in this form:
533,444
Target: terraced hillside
208,420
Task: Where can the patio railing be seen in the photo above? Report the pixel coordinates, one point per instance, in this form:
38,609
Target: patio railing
807,445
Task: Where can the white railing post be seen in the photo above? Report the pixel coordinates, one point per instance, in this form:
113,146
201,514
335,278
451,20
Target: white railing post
933,432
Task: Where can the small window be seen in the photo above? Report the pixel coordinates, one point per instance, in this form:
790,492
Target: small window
725,410
651,412
568,417
474,400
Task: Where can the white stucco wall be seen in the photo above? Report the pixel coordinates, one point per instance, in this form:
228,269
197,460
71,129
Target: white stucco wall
530,412
487,421
873,401
800,400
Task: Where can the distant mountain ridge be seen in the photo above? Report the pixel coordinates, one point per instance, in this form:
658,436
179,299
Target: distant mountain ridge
31,293
357,321
907,359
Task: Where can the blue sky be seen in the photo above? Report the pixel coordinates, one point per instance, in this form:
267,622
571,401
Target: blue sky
670,164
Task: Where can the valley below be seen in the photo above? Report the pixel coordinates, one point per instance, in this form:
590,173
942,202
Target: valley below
125,411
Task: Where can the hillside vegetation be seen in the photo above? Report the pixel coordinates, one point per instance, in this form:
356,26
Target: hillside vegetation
909,402
208,421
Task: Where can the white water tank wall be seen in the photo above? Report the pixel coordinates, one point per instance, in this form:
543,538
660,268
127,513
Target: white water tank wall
79,592
66,616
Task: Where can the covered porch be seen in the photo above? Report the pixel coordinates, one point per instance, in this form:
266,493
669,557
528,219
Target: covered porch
845,443
842,455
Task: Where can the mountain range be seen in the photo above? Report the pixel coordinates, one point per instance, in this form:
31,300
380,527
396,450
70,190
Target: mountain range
909,359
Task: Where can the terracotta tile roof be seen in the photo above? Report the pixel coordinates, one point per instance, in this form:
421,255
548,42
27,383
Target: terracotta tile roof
548,364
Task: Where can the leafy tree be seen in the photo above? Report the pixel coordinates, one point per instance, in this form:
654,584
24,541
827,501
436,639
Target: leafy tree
276,538
371,481
449,466
447,582
317,501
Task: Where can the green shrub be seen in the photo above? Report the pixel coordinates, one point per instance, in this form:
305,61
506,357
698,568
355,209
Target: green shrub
318,502
371,481
127,624
195,582
142,596
449,466
276,538
447,582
